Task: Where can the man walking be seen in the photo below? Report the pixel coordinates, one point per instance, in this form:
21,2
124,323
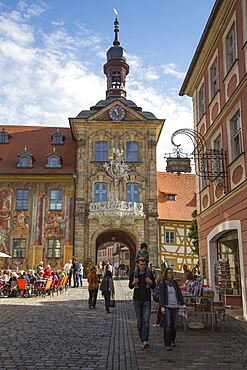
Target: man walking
188,274
142,300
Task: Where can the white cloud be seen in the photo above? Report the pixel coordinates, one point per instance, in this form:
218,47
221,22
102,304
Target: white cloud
170,69
48,77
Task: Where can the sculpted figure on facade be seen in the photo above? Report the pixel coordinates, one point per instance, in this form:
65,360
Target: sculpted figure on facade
117,168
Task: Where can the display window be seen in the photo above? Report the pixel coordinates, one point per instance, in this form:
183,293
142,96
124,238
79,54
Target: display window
228,251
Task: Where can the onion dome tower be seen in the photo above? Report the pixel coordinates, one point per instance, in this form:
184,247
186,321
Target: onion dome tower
116,69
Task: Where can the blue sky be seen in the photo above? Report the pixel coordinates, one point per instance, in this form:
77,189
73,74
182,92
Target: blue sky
52,55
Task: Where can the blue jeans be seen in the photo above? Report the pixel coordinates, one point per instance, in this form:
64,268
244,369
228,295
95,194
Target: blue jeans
80,279
142,311
170,320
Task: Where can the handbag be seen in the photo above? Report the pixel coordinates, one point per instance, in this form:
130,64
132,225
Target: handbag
112,302
96,285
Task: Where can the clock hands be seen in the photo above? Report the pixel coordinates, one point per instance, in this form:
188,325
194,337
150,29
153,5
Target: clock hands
116,111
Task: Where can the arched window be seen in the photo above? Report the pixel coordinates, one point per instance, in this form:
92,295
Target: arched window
25,161
116,80
4,137
54,160
58,138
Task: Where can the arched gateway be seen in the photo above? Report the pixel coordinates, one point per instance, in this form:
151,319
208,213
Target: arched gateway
121,237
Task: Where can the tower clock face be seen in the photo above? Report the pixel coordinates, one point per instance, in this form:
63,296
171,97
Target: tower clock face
117,113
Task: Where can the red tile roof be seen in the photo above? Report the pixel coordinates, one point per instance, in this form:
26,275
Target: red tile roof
38,143
184,189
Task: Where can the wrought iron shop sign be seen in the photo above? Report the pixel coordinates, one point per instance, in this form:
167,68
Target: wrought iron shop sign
178,164
210,164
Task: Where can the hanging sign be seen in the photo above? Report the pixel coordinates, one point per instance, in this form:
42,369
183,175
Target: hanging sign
178,164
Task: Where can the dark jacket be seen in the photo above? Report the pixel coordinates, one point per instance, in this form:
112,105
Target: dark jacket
163,294
142,293
75,266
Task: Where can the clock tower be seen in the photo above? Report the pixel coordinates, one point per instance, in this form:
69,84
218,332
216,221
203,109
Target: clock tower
116,69
116,195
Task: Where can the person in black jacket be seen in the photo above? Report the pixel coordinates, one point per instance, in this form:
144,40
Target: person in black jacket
75,268
142,300
170,297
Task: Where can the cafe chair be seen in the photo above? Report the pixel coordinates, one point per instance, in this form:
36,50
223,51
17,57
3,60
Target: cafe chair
23,289
43,290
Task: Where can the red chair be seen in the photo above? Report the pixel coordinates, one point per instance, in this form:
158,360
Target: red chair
43,290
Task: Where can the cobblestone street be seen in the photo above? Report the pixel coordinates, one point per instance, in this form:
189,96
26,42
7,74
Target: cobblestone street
60,332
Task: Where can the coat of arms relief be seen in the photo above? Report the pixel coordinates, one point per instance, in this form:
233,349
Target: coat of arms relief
117,213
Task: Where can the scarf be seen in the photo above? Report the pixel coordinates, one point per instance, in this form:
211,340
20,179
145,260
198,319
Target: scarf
169,282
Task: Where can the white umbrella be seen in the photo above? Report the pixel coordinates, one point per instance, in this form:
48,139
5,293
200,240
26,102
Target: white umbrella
4,255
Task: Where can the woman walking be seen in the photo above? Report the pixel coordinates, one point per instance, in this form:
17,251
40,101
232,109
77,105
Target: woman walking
99,270
93,286
109,290
170,297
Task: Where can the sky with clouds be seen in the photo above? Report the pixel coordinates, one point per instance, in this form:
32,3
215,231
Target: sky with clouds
52,55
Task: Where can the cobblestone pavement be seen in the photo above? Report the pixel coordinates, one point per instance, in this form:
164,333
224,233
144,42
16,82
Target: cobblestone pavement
61,332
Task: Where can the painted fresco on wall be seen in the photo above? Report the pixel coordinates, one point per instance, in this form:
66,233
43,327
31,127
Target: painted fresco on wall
5,216
3,240
21,221
5,203
54,225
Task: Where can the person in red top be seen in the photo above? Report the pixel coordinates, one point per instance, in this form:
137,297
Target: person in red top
47,272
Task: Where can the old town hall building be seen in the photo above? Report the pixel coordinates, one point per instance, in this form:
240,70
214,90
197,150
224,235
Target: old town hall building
66,191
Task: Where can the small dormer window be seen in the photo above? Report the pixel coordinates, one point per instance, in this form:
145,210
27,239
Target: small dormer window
25,162
58,138
171,197
4,137
54,160
116,80
25,159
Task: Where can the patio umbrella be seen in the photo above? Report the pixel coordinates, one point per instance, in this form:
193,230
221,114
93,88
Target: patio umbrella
4,255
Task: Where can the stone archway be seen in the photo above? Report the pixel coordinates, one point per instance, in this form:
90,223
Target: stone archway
120,237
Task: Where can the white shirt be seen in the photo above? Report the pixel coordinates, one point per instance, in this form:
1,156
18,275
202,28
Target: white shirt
67,267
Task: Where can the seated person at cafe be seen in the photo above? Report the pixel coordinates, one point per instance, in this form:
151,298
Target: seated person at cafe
54,279
13,284
32,277
48,272
62,273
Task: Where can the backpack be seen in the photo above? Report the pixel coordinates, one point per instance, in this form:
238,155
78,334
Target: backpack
104,284
155,293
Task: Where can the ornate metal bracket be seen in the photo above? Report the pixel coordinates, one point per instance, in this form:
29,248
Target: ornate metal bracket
210,164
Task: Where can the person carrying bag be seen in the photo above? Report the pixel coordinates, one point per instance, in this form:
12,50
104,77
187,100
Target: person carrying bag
107,288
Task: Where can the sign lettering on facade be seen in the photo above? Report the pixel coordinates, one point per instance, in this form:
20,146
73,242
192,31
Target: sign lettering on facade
178,165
